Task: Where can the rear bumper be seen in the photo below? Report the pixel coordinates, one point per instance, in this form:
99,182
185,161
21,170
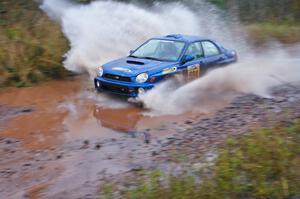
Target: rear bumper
129,89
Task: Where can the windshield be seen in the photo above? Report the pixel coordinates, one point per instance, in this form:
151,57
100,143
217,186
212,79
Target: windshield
158,49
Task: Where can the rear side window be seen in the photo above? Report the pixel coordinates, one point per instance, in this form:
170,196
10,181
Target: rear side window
210,49
195,49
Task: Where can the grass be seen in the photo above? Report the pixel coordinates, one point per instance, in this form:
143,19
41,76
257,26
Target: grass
31,45
286,33
262,164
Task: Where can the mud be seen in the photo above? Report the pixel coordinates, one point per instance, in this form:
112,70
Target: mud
62,140
48,132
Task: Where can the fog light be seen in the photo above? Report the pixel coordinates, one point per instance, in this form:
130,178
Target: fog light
141,91
98,85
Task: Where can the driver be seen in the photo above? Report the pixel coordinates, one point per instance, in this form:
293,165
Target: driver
169,50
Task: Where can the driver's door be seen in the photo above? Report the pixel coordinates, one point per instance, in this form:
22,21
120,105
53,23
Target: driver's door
194,68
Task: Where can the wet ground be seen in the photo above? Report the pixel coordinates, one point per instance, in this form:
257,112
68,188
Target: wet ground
40,125
62,140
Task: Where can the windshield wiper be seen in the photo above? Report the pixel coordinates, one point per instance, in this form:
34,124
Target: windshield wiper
133,56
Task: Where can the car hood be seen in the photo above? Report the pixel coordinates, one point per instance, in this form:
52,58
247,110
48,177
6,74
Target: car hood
129,66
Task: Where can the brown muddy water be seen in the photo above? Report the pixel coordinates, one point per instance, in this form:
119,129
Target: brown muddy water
69,110
56,114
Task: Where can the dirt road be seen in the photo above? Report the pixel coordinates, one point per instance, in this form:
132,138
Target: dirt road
62,140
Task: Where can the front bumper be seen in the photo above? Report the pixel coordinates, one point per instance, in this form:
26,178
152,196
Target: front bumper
129,89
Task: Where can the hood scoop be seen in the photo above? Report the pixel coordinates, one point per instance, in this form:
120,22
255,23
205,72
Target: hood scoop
135,62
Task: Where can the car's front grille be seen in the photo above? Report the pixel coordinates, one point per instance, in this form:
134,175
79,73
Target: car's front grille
117,77
114,88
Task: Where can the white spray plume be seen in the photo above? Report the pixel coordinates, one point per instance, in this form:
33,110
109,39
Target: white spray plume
254,75
105,30
56,8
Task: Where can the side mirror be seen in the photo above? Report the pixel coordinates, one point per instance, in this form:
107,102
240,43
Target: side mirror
131,51
187,58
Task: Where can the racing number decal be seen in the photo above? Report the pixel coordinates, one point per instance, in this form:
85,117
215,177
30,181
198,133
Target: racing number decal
193,72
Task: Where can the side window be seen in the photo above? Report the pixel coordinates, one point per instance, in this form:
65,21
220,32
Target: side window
210,49
195,49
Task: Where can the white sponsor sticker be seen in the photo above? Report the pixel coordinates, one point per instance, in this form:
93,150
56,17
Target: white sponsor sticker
122,69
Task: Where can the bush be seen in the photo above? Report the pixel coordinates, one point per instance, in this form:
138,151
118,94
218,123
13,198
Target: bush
31,45
286,33
263,164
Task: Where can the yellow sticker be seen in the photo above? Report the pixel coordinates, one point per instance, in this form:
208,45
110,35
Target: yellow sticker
169,70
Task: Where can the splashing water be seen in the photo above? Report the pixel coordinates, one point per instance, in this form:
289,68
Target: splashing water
220,86
105,30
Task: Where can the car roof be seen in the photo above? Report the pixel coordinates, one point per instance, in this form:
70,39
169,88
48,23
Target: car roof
184,38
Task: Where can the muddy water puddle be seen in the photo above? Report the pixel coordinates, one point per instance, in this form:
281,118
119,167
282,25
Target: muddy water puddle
63,111
58,113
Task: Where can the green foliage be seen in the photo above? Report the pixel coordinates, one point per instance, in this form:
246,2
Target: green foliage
253,11
109,189
285,33
219,3
83,1
262,164
182,187
31,46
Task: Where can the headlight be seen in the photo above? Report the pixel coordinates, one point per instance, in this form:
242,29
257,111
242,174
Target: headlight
141,78
100,71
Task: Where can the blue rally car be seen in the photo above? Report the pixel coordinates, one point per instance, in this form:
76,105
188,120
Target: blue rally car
160,58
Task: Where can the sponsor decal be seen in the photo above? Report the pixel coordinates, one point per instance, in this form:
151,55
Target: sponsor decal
122,69
169,70
193,72
193,67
